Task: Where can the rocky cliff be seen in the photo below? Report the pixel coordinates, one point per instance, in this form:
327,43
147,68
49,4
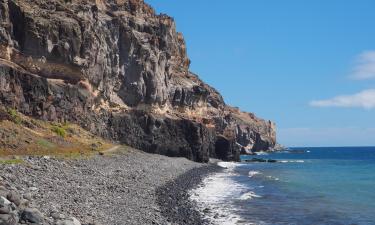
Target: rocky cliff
122,72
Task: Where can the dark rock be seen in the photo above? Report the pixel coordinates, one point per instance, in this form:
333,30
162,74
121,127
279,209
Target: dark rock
4,206
226,149
261,160
171,137
255,160
32,215
271,160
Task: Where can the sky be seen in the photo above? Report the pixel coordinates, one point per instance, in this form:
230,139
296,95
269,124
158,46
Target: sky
309,66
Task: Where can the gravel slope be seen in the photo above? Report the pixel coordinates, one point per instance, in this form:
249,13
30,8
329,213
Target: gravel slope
131,187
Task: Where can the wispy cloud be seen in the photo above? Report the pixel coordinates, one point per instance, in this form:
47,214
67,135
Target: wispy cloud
365,66
364,69
364,99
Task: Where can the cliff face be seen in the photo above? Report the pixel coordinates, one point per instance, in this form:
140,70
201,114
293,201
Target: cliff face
120,71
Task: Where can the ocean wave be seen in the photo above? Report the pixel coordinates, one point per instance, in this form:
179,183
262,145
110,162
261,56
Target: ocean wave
228,165
261,153
273,178
217,187
253,173
212,197
249,195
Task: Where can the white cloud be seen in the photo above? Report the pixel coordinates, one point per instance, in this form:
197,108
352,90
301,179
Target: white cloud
365,66
364,99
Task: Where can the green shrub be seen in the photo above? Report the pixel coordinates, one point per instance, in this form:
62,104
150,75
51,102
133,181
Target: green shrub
59,131
14,116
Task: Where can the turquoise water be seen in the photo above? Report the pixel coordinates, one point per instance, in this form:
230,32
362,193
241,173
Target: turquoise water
318,186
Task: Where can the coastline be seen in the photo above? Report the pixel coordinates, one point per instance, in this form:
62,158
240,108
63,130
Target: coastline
213,196
175,199
127,187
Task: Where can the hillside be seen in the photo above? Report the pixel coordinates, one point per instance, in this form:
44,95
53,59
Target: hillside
120,71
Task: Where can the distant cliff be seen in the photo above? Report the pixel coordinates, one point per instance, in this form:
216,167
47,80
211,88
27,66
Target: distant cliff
122,72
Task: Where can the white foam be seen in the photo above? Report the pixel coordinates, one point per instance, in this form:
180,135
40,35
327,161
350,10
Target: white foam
212,197
253,173
273,178
261,153
227,165
217,188
249,195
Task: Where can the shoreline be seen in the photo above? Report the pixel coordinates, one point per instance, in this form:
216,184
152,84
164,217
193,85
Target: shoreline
175,200
127,187
213,197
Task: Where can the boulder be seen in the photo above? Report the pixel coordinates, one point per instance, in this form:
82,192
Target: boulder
14,197
4,206
32,215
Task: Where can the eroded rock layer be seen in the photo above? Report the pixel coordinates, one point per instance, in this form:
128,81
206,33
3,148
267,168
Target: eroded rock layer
120,71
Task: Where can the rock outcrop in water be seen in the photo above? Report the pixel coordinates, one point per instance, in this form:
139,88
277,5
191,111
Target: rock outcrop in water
122,72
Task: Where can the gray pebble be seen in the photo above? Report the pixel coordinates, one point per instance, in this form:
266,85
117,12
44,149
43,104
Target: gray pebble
70,221
114,190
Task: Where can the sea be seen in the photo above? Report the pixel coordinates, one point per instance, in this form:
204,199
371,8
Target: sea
331,185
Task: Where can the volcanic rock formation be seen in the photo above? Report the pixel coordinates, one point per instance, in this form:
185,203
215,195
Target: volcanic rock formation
122,72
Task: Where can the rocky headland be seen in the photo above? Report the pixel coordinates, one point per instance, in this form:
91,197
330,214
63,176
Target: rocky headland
79,77
120,71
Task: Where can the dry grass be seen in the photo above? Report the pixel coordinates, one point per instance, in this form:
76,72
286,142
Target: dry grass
28,136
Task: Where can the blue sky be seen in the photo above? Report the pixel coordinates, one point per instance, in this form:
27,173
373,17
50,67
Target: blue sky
307,65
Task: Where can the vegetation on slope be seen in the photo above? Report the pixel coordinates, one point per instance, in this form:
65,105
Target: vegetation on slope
22,135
